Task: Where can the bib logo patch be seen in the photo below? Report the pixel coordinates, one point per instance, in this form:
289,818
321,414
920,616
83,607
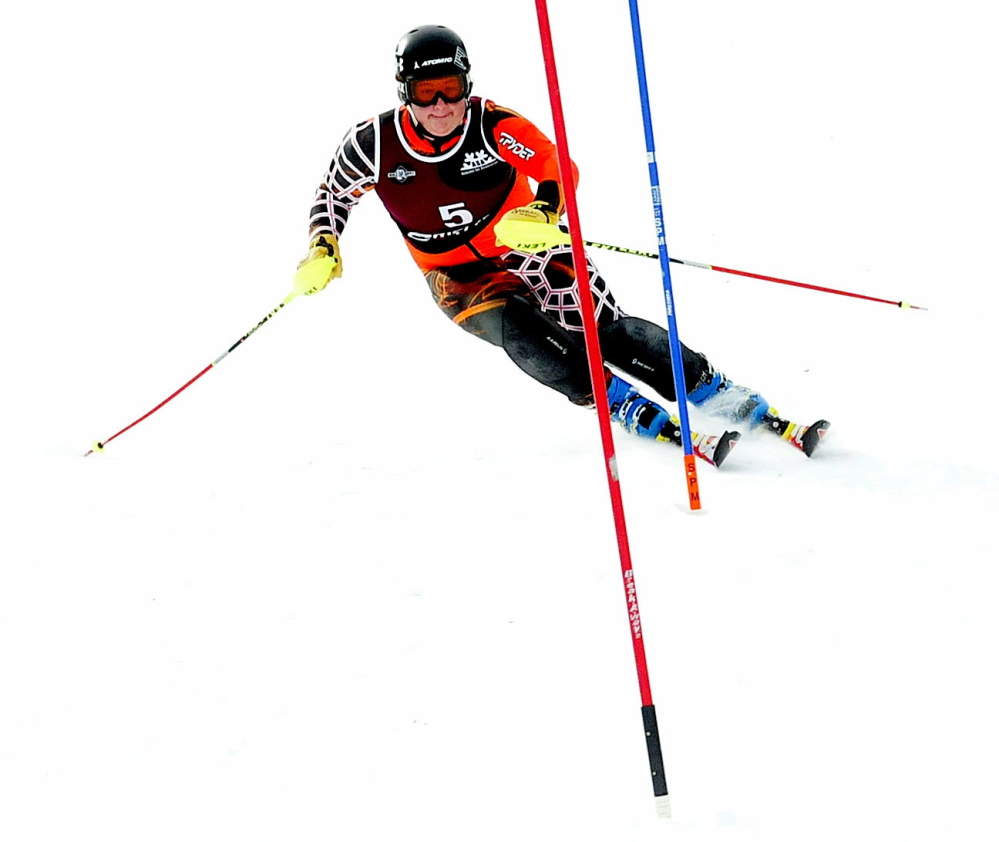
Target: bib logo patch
477,161
400,175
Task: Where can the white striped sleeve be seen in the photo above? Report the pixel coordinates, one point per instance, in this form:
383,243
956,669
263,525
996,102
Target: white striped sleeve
352,173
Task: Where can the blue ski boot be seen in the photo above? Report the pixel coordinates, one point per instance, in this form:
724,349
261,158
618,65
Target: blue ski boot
715,394
647,419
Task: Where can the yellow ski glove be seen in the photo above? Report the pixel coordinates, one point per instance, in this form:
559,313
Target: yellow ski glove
320,266
531,229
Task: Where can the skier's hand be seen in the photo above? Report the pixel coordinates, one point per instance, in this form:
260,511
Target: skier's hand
320,266
550,213
531,229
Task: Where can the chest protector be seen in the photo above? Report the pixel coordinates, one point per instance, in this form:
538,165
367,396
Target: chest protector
441,202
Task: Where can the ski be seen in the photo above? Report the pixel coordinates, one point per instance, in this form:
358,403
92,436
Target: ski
712,449
805,438
715,449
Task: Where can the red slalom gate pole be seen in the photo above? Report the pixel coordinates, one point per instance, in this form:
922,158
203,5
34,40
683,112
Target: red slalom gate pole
596,366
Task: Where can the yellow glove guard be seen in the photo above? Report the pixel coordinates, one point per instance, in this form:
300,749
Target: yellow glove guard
320,266
530,229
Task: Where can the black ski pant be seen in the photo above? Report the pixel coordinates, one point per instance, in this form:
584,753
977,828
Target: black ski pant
529,306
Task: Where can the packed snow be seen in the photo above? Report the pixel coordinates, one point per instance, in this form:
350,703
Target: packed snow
361,580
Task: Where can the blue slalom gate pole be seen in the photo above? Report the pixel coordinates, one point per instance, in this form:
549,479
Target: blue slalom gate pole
676,353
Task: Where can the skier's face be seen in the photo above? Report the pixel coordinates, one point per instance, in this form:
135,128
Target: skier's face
441,118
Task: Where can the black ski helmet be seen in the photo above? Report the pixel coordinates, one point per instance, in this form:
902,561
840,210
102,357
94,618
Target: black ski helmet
428,52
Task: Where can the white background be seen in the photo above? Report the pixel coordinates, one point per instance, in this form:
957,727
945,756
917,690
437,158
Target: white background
361,581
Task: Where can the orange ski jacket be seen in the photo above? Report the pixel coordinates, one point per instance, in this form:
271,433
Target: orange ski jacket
447,201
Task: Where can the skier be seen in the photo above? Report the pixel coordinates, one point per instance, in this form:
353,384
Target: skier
453,172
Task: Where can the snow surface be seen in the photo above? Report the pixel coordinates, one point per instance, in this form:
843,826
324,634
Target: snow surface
361,581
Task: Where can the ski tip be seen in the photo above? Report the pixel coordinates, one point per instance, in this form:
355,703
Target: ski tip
726,444
813,436
663,810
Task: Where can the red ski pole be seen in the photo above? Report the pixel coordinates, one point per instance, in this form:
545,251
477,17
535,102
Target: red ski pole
905,305
98,446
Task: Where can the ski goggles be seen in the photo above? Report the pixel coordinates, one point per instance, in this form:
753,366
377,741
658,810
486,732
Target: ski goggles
424,92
